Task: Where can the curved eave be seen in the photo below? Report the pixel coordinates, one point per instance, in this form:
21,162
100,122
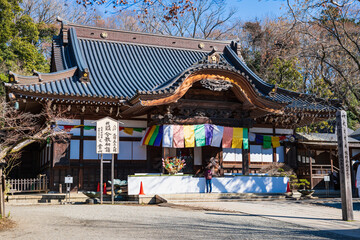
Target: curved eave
242,88
16,79
65,98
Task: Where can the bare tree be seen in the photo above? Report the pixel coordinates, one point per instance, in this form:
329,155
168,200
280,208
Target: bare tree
18,129
46,11
207,19
330,34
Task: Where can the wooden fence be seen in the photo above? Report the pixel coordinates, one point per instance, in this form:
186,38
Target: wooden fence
28,185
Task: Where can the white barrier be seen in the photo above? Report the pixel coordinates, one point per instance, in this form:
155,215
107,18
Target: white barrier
189,184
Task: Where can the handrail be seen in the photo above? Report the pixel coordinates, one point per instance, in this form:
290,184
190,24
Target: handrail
28,185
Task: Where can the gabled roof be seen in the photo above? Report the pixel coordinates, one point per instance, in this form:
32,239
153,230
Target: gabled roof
112,65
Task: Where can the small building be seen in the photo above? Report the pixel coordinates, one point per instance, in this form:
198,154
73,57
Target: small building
317,157
151,82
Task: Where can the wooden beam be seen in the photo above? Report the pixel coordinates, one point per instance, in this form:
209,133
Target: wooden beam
310,166
81,156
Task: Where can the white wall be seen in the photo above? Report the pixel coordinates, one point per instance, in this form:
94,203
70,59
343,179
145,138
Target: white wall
260,154
261,130
189,184
232,154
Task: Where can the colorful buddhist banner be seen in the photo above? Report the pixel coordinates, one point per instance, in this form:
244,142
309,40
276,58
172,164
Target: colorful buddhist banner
189,136
245,138
218,132
252,137
227,137
275,141
159,137
129,131
237,138
267,141
154,135
145,136
259,139
200,135
167,136
178,136
208,134
151,132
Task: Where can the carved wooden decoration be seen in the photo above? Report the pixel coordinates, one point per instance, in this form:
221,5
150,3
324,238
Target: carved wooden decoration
216,85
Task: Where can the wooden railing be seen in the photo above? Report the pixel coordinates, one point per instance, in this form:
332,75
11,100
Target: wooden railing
320,170
28,185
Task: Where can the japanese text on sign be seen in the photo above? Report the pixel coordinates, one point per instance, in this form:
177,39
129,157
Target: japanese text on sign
107,136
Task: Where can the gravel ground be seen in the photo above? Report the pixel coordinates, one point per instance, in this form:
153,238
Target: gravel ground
146,222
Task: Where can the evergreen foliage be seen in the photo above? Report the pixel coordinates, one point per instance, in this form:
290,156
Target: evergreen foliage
19,41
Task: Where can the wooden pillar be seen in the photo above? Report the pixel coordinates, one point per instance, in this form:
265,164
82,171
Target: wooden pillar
2,196
245,162
310,166
344,164
274,149
331,161
81,156
51,169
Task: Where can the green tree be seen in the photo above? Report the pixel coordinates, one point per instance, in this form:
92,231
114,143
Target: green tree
286,74
19,40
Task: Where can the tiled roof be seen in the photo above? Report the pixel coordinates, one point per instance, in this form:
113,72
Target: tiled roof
323,137
120,69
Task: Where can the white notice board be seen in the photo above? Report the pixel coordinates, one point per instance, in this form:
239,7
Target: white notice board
107,136
68,179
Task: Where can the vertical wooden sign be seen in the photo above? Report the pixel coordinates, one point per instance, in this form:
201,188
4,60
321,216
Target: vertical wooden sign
344,164
107,142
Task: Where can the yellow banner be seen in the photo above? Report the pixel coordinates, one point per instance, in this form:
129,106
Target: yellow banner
189,136
237,138
129,131
275,141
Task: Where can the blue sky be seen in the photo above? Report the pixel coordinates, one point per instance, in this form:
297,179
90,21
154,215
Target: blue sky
251,9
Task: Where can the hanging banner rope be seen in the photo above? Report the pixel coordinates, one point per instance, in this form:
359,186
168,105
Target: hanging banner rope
127,130
180,136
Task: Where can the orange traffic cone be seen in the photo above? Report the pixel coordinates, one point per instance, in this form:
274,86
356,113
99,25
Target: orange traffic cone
288,187
104,189
98,188
141,189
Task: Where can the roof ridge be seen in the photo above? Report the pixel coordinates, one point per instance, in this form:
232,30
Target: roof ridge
145,33
78,57
240,65
107,34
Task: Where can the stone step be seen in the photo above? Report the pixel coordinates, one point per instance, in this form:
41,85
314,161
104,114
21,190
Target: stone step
49,198
220,196
204,197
